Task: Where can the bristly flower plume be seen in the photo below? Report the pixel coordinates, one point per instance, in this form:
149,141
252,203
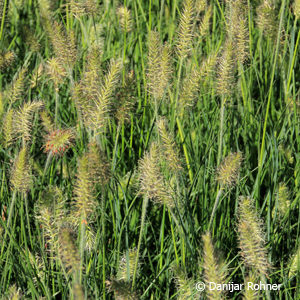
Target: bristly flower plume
84,189
126,266
296,9
46,121
169,148
185,286
251,294
267,19
228,171
59,141
23,119
64,45
16,88
122,290
21,178
101,105
51,215
125,99
237,28
214,271
226,72
56,72
251,237
294,264
68,252
152,183
190,87
205,22
159,66
185,29
125,18
6,59
99,168
283,202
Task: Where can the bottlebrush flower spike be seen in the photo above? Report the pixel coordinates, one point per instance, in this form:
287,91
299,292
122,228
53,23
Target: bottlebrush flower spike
59,141
68,252
125,18
152,181
84,196
185,286
294,263
6,59
213,270
251,237
126,266
227,172
21,178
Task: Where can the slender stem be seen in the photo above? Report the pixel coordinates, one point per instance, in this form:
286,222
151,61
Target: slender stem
82,243
103,242
144,209
115,147
222,112
3,18
56,106
27,218
9,217
215,207
293,61
264,280
186,154
11,208
262,149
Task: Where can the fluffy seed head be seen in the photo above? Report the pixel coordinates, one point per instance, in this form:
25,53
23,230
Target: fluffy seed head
64,45
237,28
56,71
126,265
213,270
226,72
251,294
266,18
36,76
283,202
21,178
16,88
59,141
251,237
185,29
47,121
228,171
185,286
84,189
297,9
101,106
68,252
23,119
294,264
159,66
125,18
169,148
190,87
6,59
121,289
200,6
205,22
50,214
152,183
99,167
126,99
